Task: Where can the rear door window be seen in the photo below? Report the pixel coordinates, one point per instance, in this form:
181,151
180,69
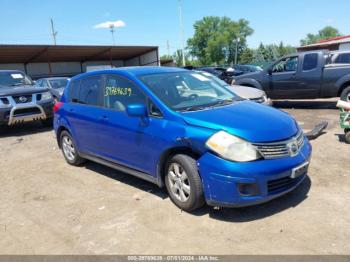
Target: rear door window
89,91
310,61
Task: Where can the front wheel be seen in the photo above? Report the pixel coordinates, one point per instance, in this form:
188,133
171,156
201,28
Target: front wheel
183,182
345,94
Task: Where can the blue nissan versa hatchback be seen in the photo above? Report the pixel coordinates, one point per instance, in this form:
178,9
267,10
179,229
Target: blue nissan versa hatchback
177,128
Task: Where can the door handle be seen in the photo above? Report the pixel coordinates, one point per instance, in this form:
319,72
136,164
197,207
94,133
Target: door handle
103,118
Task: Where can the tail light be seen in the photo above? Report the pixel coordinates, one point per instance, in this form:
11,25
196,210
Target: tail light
57,106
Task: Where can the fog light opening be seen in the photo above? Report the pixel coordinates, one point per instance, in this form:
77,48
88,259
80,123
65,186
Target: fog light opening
248,189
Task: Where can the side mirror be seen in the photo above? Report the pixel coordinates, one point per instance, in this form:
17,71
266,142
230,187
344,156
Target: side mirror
269,70
136,110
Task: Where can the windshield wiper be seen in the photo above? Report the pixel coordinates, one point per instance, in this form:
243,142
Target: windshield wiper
19,84
222,102
211,105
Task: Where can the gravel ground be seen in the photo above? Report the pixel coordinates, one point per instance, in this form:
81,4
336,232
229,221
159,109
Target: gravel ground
49,207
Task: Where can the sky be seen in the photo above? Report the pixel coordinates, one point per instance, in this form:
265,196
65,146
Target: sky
156,22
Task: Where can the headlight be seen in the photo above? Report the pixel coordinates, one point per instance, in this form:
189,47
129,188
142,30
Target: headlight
46,96
232,148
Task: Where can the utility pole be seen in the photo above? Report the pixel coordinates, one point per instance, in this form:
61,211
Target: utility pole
236,52
182,34
168,47
53,32
112,28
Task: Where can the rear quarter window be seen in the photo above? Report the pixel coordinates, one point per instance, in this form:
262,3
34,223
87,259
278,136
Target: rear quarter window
74,90
310,61
342,59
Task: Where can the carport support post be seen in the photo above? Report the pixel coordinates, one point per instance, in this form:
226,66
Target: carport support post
48,62
110,57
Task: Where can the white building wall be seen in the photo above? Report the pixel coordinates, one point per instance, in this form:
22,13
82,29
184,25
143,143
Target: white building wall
345,46
12,67
150,59
132,62
116,63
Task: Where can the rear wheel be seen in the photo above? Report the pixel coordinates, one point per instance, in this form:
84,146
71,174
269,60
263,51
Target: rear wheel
69,149
345,94
183,182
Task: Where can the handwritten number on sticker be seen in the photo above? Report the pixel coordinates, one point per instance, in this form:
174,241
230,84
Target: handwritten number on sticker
118,91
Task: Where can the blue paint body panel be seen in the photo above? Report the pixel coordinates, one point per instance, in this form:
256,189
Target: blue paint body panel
140,144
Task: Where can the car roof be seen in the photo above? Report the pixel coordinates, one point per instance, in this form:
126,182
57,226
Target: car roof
134,71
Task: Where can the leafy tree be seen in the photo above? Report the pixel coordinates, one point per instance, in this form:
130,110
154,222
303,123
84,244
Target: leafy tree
247,56
215,39
325,33
178,58
166,57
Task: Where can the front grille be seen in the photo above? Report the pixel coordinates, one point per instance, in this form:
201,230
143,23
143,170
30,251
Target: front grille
281,184
22,99
27,111
282,148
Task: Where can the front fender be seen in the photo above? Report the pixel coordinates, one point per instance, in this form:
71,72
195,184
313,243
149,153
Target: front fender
249,82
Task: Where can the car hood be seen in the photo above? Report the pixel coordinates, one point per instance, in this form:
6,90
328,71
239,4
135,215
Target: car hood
20,90
248,120
255,75
247,92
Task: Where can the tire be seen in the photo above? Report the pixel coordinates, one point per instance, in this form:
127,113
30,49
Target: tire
69,149
345,94
185,186
47,122
347,136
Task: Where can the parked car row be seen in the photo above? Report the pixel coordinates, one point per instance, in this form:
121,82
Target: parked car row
313,74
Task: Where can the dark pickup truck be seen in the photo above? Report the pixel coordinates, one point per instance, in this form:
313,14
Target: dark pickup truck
21,101
313,74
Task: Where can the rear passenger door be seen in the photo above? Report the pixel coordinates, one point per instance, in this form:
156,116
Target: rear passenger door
84,112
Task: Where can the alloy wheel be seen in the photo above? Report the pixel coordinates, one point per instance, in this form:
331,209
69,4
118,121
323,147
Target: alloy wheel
68,148
179,182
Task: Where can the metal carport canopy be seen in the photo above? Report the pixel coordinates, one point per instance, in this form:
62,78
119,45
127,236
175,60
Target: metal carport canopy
69,53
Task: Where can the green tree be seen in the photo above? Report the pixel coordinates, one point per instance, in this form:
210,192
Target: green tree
178,58
215,39
247,56
325,33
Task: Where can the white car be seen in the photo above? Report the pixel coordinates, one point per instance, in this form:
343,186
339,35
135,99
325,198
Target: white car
245,92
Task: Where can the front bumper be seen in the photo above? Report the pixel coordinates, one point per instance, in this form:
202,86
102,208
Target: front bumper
221,178
26,112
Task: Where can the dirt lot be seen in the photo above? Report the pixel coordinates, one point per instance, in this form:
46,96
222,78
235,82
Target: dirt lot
49,207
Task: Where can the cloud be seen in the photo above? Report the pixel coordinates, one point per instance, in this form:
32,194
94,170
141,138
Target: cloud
108,24
329,21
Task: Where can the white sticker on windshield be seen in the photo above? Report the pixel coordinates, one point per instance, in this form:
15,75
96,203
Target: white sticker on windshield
17,76
200,77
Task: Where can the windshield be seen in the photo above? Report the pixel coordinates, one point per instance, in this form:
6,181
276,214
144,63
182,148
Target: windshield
58,83
189,91
14,79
